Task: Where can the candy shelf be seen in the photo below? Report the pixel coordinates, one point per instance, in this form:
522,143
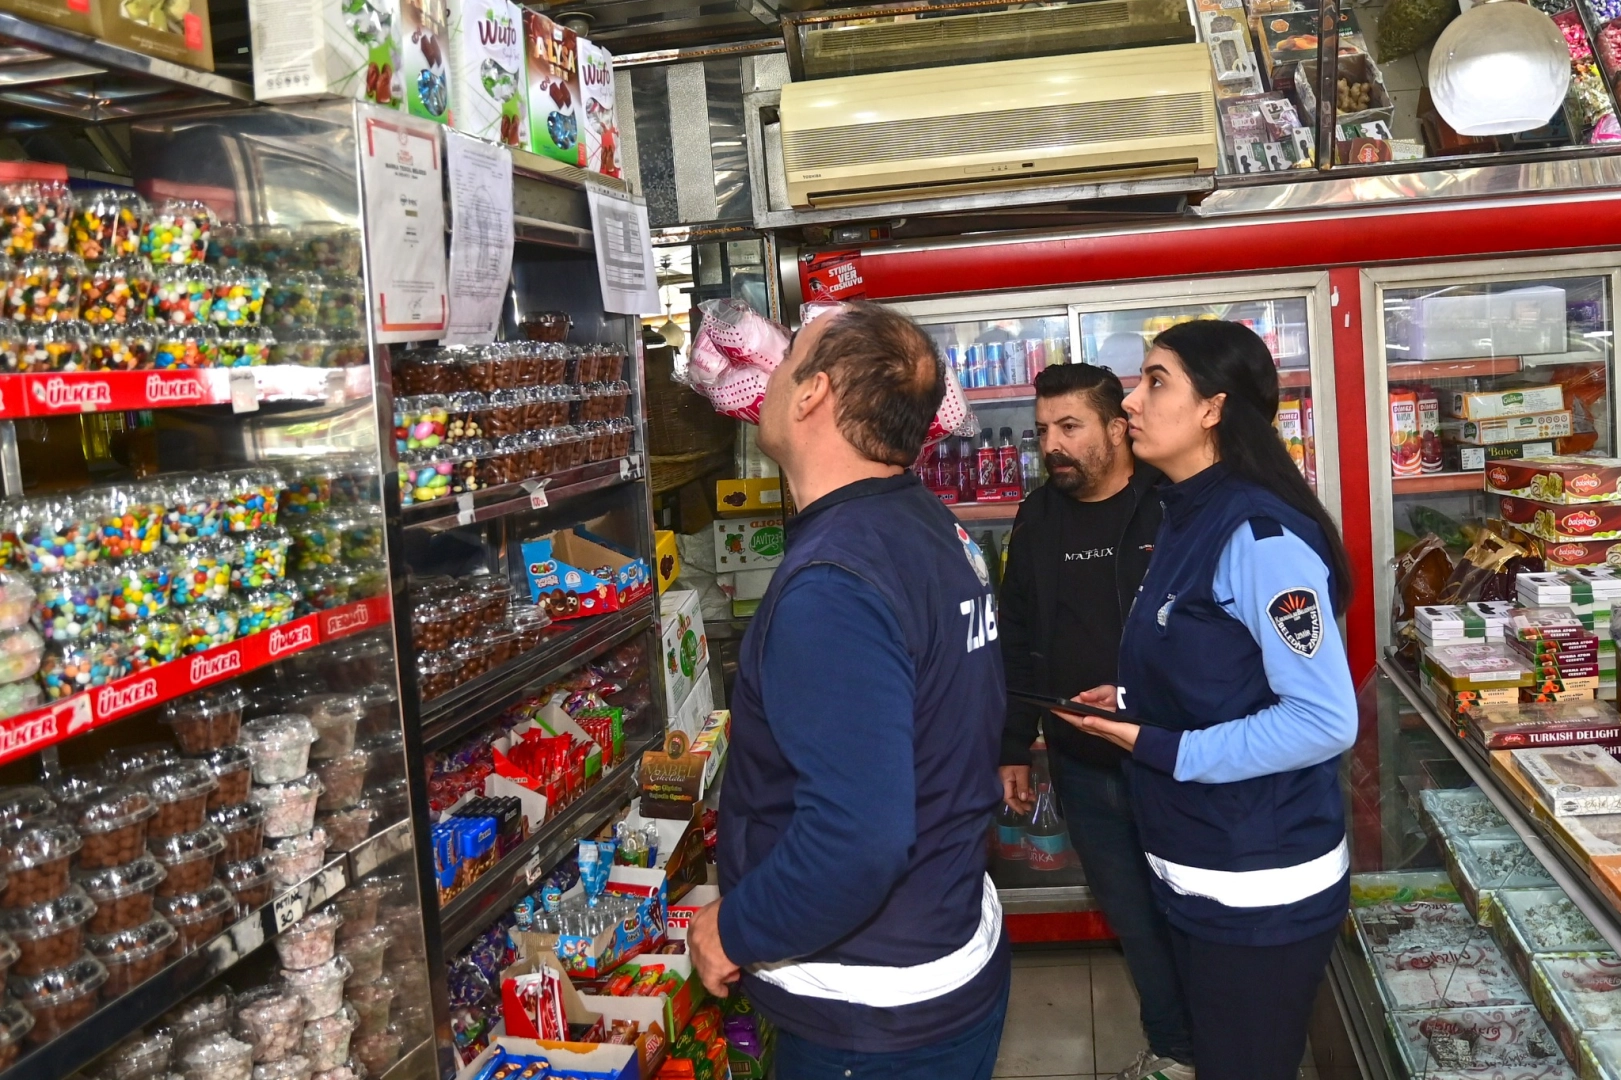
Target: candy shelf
536,494
1419,370
1423,485
58,393
32,731
988,511
475,907
1021,392
472,706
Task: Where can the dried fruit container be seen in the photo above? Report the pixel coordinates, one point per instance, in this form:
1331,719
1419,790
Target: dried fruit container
311,941
271,1020
123,894
60,998
189,858
243,827
205,720
197,917
49,934
134,955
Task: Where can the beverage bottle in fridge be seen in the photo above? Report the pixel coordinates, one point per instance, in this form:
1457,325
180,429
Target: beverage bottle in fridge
966,470
1035,357
1014,360
1010,835
987,468
975,363
1045,837
1030,461
1007,457
1429,430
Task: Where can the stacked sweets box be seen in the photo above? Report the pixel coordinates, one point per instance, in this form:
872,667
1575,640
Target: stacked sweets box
1454,624
1573,781
1562,652
1545,724
1588,593
1559,479
1464,676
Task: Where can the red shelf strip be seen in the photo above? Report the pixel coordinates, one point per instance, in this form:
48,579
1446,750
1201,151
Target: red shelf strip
29,732
59,393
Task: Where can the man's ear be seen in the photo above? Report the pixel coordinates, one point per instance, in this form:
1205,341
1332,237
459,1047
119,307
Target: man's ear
812,394
1118,430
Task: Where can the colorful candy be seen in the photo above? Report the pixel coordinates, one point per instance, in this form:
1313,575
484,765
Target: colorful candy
360,534
420,422
155,641
53,346
239,296
344,349
294,299
331,249
301,346
204,626
202,571
80,664
34,215
341,301
73,604
261,558
107,224
178,233
132,520
181,348
325,587
45,288
266,606
194,510
58,534
142,586
317,541
184,294
126,347
307,490
251,499
116,291
243,346
424,477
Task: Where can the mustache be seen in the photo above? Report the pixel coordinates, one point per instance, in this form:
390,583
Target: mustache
1057,459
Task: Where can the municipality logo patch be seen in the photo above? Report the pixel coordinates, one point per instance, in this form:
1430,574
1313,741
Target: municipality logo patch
976,557
1298,619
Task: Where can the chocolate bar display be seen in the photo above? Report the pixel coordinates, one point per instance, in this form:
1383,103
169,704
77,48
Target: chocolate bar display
1479,1044
1574,780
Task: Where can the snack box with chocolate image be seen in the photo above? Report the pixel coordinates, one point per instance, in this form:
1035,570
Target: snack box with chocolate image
1573,589
1573,780
1449,624
1480,666
557,567
1563,480
1582,554
1558,522
1516,727
1479,1043
552,68
425,38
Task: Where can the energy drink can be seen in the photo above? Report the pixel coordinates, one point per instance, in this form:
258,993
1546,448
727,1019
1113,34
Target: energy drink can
995,361
1035,357
954,361
1015,369
977,375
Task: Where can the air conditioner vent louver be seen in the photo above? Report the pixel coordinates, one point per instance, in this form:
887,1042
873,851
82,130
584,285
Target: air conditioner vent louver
847,41
1011,131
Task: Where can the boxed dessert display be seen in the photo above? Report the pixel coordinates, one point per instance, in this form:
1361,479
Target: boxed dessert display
175,30
487,70
1535,923
1561,480
552,81
1475,1044
1576,994
1531,725
1576,780
1464,814
555,566
1451,624
1474,973
1398,927
1483,867
305,49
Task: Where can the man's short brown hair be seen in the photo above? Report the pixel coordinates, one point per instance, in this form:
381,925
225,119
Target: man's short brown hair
887,376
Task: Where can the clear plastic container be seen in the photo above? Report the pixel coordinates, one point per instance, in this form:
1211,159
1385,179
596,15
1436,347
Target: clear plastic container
379,1050
244,346
358,906
198,917
239,296
280,745
133,955
243,826
112,820
198,1017
25,803
117,291
141,586
294,299
185,347
343,779
251,499
364,950
420,422
466,416
437,673
132,519
326,1039
379,702
342,301
8,956
292,1067
60,998
298,857
122,346
127,764
57,346
261,558
472,659
317,541
549,326
250,882
107,224
206,719
232,766
360,534
335,717
500,642
217,1057
20,697
271,1020
45,288
178,232
15,1024
207,625
349,1070
17,598
154,641
266,607
290,807
139,1057
35,857
21,651
371,1002
320,986
183,295
181,792
345,829
123,894
71,666
190,859
309,942
195,509
49,934
58,534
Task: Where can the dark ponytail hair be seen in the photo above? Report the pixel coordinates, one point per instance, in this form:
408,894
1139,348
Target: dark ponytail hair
1230,358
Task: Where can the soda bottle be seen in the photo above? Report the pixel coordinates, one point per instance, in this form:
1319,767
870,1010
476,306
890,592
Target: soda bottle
987,472
1045,836
965,469
1030,461
1007,454
1010,835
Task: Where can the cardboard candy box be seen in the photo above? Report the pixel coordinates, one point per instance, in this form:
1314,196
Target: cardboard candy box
1559,522
552,70
1561,480
558,576
327,48
487,70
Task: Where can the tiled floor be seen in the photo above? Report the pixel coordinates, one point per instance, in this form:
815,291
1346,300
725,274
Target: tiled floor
1072,1016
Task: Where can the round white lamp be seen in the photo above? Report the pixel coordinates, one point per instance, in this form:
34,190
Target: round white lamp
1499,68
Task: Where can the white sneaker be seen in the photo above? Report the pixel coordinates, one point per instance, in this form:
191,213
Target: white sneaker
1150,1066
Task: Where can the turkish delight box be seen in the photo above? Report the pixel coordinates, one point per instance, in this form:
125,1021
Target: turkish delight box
552,71
1582,554
1577,994
425,44
1483,867
1463,814
1541,922
1573,780
599,118
1477,666
1519,401
487,72
1447,976
1515,727
1455,1044
1558,522
305,49
1559,479
1399,927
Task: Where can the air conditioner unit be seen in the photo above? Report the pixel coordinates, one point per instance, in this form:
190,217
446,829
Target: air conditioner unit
976,127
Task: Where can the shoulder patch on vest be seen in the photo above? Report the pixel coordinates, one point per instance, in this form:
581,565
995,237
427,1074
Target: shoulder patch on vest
976,557
1263,528
1298,619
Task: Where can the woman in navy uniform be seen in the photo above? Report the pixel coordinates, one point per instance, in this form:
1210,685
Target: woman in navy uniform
1233,664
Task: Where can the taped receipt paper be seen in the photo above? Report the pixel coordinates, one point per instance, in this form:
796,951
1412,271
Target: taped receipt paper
624,252
480,237
403,171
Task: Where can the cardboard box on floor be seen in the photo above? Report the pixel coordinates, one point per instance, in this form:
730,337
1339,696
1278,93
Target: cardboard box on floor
175,30
749,543
689,717
556,566
683,645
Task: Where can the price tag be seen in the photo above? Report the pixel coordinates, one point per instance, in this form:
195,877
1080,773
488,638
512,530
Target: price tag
464,508
244,391
288,908
533,870
624,468
537,499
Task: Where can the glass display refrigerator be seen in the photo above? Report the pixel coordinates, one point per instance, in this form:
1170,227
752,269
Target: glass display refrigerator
997,343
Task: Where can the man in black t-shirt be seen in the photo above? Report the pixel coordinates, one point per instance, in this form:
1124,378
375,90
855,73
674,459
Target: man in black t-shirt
1079,549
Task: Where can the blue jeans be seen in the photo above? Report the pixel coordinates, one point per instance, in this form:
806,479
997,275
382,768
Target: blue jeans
1097,806
970,1055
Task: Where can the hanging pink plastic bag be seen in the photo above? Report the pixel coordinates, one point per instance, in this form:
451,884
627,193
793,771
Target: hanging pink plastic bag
736,350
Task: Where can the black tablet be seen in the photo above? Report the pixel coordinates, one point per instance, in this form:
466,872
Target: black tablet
1056,704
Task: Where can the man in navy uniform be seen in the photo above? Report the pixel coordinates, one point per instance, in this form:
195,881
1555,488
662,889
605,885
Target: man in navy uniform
866,723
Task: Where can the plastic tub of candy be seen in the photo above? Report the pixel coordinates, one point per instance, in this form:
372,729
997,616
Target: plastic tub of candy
309,942
477,365
379,1050
185,347
294,299
473,658
342,301
316,541
506,412
464,466
139,1057
35,857
239,296
371,1000
250,499
271,1020
365,948
198,916
29,802
343,776
178,232
116,291
17,598
345,829
527,354
267,606
35,214
298,857
122,894
378,703
129,764
57,534
335,717
299,346
326,1038
71,666
181,792
113,820
205,719
320,986
344,348
597,440
280,745
232,766
250,882
529,622
48,934
15,1023
430,371
107,224
207,625
546,325
195,510
387,752
360,534
60,998
189,858
243,346
73,604
553,358
358,906
199,1016
437,673
243,827
571,448
550,406
184,294
139,587
466,416
261,558
59,346
217,1057
420,422
497,464
306,490
121,346
491,597
620,430
290,807
45,287
292,1067
20,697
133,955
424,477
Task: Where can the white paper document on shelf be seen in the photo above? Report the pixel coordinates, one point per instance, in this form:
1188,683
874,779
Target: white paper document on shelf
624,252
403,173
480,237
